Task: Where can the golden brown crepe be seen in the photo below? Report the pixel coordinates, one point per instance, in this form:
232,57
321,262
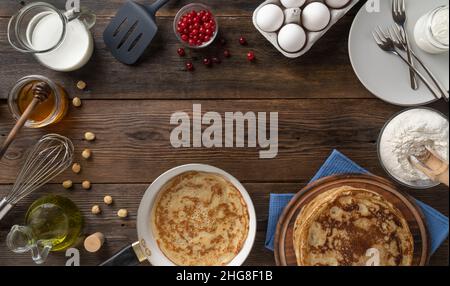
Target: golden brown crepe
344,226
200,218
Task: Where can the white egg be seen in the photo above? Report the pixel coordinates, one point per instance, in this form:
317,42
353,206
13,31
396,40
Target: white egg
316,16
336,4
292,38
293,3
270,18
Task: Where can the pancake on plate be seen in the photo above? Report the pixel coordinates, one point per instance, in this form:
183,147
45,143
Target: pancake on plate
347,226
200,218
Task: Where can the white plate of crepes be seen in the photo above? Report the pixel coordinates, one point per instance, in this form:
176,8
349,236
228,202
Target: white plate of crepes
192,215
352,220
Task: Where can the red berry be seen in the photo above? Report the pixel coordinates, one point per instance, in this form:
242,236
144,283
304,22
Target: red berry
251,56
207,62
181,52
227,53
242,41
189,66
184,38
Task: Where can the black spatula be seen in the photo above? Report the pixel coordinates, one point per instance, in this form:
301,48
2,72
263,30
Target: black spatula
132,30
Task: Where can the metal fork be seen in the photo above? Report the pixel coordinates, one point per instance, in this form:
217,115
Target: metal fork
399,40
399,16
387,44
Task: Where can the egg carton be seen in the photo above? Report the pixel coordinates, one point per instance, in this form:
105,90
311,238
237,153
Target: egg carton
311,37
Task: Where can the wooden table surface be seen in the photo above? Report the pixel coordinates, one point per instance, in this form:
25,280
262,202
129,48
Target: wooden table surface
322,106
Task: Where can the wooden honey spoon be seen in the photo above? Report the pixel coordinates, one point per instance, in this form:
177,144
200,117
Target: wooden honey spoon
41,92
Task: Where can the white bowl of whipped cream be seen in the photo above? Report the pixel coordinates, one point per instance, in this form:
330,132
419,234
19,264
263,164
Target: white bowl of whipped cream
407,134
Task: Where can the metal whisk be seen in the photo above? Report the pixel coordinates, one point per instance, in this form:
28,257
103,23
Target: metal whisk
49,157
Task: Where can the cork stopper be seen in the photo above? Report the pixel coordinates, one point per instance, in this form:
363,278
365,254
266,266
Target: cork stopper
94,242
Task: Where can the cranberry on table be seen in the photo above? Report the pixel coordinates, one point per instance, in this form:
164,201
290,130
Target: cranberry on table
251,56
243,41
181,52
189,66
207,62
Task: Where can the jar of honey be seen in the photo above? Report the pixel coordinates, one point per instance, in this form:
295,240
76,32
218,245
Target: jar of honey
48,112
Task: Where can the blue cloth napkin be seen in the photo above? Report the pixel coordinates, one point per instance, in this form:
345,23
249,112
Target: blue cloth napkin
337,163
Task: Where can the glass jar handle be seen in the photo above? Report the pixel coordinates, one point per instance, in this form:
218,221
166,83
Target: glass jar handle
84,15
20,240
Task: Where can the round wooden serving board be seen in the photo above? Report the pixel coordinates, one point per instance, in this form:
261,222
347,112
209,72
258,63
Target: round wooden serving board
284,249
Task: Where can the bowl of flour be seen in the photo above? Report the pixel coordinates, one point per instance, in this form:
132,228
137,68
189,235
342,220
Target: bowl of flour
409,133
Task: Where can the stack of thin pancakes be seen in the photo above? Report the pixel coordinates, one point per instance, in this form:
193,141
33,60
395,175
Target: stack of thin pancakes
347,226
200,218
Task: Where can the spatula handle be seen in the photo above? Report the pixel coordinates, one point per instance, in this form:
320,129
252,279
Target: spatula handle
157,5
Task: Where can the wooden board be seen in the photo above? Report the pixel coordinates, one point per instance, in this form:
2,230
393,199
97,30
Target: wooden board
284,248
321,103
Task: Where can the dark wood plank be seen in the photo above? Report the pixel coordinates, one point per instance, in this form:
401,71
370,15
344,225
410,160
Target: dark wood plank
120,232
133,138
324,72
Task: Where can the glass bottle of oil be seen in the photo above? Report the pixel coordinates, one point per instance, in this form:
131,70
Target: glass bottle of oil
52,223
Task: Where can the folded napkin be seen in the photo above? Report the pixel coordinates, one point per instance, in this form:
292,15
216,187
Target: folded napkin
337,163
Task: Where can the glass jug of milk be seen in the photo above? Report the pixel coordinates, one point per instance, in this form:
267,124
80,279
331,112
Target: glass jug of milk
59,40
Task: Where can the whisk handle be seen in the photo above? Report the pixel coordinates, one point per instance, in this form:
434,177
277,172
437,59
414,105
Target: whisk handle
20,123
5,207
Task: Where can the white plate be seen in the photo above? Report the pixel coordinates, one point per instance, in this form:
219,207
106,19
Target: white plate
384,74
147,241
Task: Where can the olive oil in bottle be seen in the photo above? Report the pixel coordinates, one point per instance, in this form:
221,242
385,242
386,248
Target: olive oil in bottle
52,223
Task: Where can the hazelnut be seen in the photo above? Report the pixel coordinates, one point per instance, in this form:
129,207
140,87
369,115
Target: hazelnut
67,184
108,200
81,85
76,102
123,213
76,168
86,154
86,185
96,209
89,136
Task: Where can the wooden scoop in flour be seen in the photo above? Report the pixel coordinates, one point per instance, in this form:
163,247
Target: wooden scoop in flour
431,165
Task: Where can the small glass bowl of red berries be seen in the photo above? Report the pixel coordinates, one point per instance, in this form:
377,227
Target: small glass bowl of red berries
195,26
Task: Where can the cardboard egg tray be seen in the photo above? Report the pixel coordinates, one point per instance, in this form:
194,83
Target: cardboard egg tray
311,37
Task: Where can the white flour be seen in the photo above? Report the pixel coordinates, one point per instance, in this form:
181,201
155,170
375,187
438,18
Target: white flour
408,134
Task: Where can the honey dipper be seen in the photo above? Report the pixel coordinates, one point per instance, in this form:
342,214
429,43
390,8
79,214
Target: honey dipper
41,92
